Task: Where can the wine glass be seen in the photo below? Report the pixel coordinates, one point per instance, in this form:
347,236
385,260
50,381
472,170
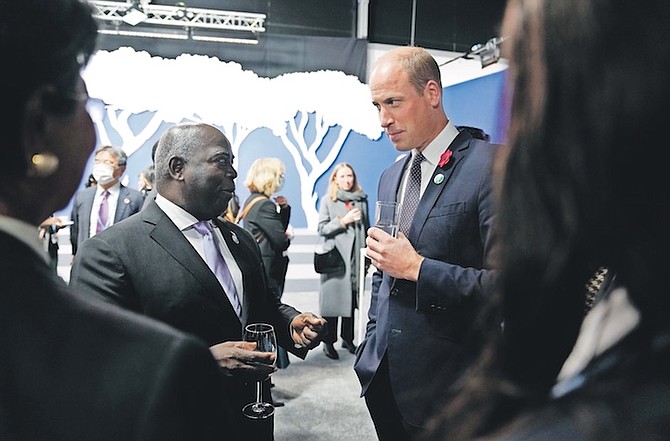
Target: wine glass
263,335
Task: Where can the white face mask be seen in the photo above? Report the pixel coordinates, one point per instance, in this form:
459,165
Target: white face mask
103,173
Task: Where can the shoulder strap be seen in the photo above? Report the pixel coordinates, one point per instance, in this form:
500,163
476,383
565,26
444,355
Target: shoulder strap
248,207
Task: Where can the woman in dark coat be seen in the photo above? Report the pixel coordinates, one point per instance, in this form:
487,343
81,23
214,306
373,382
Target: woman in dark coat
267,220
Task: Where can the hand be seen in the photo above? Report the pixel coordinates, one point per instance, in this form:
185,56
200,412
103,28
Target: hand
394,256
239,359
290,233
353,215
52,221
307,330
281,201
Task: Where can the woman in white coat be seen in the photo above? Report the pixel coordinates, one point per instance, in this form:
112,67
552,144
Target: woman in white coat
343,220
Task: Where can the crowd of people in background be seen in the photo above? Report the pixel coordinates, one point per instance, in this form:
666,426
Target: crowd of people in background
521,298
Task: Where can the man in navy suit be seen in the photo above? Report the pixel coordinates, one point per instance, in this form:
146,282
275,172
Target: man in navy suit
431,281
155,264
99,206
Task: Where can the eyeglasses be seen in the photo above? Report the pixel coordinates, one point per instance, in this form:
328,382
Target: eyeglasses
109,162
95,107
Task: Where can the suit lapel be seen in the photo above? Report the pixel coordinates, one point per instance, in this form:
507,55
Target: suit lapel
86,211
388,190
122,204
436,185
168,236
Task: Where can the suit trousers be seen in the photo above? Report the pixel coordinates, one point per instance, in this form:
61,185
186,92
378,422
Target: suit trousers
389,423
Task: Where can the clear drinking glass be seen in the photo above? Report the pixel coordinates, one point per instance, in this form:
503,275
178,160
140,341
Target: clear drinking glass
387,216
264,336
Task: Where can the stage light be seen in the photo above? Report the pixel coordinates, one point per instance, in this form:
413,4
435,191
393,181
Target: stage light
134,15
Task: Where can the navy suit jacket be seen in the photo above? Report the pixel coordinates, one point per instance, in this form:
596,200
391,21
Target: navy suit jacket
423,327
130,202
145,264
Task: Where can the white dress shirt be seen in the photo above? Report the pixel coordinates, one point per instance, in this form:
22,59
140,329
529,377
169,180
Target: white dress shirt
432,153
185,221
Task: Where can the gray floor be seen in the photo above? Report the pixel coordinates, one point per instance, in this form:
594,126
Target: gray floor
321,395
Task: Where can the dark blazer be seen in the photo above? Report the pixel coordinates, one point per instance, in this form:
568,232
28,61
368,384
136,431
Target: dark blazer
130,202
622,394
145,264
269,229
79,369
423,326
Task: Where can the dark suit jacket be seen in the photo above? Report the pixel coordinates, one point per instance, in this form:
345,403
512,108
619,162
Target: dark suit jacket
130,202
145,264
79,369
423,326
269,229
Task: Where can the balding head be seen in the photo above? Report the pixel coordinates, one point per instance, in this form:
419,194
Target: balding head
194,169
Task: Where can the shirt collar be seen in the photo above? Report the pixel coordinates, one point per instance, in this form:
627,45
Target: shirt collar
437,146
113,190
180,217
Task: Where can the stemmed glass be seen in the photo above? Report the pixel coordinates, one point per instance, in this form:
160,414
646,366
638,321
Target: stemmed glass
263,335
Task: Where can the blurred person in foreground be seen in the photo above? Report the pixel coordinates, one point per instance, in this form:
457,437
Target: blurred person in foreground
74,369
433,279
157,263
582,188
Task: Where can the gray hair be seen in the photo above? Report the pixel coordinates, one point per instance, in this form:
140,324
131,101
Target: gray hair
117,153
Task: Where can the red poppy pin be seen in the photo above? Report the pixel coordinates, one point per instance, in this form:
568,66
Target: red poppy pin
444,158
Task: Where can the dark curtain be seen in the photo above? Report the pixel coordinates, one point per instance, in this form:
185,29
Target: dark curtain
273,56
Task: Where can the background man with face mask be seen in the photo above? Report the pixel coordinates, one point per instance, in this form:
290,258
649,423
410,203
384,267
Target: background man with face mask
95,208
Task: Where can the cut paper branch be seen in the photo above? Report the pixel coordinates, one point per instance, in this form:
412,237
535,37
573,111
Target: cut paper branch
300,108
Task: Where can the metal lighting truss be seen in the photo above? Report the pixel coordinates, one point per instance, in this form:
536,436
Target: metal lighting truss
187,20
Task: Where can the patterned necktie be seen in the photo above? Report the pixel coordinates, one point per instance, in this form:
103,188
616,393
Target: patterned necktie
217,264
412,194
103,213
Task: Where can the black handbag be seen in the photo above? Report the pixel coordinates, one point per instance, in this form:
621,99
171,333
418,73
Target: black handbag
329,262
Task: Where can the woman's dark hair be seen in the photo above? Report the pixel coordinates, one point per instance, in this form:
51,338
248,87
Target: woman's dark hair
44,44
582,187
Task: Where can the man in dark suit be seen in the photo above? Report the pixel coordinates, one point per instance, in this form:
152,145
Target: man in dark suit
99,206
155,263
75,369
431,280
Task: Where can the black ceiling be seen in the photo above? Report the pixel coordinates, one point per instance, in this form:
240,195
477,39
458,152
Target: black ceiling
453,25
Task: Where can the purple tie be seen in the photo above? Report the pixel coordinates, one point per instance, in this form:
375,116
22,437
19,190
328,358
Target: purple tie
103,212
217,264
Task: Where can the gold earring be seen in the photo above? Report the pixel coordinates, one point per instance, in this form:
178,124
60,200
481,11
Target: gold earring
42,165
